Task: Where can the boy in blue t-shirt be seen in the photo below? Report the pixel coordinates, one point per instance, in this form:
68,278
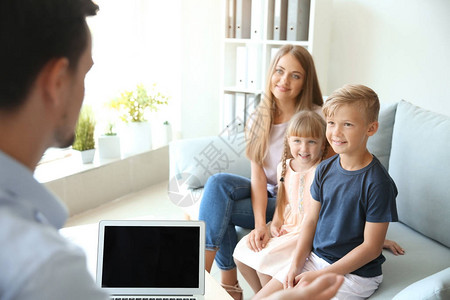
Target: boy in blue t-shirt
355,201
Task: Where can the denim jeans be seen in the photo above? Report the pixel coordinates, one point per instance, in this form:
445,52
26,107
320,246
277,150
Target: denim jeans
226,203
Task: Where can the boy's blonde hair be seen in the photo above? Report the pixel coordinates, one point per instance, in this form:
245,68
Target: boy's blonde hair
354,94
261,121
302,124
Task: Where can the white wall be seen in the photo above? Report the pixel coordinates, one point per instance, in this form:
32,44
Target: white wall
399,48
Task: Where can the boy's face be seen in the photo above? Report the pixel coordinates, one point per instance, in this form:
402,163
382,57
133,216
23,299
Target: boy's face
348,130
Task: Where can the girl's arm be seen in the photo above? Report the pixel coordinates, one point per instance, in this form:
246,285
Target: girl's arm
258,238
374,235
276,224
304,243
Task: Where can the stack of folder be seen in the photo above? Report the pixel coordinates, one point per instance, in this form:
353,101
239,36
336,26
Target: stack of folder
287,19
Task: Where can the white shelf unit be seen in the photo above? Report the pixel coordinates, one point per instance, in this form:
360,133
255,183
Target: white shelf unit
260,46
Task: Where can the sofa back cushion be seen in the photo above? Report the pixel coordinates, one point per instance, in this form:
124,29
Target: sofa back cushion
198,158
420,166
380,143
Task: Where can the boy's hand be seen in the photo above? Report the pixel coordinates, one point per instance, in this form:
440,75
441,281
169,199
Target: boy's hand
290,278
394,247
324,287
258,238
306,277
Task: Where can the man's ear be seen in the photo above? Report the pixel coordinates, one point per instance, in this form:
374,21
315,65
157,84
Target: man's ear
55,76
372,128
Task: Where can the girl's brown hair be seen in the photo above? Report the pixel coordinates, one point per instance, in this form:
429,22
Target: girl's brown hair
261,121
302,124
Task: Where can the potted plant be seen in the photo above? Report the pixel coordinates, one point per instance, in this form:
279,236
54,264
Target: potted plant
84,134
109,143
133,108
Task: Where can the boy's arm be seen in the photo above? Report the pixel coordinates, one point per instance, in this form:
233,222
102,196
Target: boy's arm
304,243
374,236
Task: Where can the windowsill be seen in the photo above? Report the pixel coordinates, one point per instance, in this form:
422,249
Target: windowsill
65,166
70,163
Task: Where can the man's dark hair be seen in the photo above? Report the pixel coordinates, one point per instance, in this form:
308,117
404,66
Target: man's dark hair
33,32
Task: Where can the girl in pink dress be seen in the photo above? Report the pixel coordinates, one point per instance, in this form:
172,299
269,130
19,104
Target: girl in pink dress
305,146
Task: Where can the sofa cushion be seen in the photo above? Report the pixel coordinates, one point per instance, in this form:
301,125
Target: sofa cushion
423,257
419,165
436,286
380,143
205,156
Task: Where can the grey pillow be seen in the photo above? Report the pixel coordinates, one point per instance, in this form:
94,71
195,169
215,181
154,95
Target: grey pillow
436,286
380,143
419,165
202,157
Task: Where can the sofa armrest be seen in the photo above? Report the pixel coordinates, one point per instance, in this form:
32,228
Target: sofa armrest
202,157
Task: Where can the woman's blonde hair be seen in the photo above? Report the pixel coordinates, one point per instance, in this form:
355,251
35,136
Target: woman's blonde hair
261,121
302,124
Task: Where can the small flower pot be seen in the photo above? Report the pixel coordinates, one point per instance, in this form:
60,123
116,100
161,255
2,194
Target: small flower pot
87,156
109,146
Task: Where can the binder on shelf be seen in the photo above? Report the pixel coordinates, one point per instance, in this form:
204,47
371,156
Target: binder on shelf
269,15
228,109
251,102
239,119
230,18
253,67
243,17
280,20
241,67
298,20
257,19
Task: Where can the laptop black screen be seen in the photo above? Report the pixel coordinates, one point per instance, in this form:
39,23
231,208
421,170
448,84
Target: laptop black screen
151,257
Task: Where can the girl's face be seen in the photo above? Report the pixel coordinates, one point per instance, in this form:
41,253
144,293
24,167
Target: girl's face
307,151
288,78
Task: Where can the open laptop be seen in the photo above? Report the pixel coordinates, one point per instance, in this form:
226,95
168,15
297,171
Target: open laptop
151,259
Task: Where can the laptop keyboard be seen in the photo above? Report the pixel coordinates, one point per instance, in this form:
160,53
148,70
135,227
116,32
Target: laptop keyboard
153,298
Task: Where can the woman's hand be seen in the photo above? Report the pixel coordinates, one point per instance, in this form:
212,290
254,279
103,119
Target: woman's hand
258,238
394,247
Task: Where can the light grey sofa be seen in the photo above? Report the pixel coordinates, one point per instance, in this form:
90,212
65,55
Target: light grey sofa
413,145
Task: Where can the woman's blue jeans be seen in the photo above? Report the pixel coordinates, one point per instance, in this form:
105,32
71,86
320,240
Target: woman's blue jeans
226,203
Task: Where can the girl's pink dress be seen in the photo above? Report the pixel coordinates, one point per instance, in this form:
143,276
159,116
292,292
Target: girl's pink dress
277,253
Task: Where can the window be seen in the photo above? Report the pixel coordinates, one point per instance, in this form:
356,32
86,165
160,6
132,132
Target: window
133,41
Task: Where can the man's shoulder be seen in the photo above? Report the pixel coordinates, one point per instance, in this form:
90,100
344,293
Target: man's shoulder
26,246
19,230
